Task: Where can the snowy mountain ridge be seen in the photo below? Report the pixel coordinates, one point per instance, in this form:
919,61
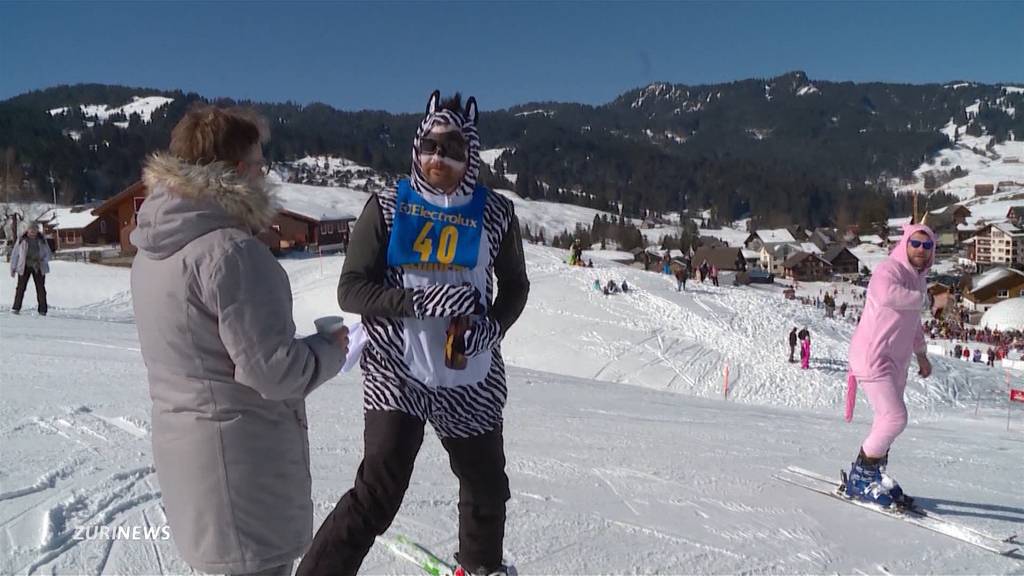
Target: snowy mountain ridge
144,106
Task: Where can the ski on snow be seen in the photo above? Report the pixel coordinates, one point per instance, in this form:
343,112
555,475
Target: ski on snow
401,546
914,515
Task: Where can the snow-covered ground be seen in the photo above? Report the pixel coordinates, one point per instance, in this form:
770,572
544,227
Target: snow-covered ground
552,217
1003,162
994,207
623,455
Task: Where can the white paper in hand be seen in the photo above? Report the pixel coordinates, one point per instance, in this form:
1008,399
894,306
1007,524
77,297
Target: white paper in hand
356,342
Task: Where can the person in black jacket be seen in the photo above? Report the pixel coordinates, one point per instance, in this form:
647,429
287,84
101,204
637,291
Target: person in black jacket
792,344
30,258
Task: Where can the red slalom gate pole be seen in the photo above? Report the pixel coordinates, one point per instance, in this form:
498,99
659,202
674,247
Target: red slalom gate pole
1012,396
725,384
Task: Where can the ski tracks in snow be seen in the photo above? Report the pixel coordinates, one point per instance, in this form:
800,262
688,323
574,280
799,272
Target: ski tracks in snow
68,515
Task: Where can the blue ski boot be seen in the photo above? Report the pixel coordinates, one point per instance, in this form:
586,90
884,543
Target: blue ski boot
867,482
899,498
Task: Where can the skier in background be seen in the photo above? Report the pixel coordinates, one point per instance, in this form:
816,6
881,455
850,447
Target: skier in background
680,275
805,350
30,258
575,253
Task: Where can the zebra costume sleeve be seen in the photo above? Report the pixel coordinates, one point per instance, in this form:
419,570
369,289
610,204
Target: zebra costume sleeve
361,288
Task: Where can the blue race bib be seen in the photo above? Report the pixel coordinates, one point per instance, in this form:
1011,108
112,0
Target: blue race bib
432,237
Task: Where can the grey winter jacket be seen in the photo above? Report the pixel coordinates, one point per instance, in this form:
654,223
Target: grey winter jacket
20,253
227,376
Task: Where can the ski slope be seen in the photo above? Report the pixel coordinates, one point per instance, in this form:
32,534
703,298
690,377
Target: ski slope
985,162
622,453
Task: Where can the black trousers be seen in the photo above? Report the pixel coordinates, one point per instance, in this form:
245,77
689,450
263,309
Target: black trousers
39,279
391,441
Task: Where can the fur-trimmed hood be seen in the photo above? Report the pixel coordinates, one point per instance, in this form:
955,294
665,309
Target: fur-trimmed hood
186,201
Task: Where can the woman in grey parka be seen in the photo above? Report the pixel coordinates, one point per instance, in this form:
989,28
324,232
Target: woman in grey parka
227,376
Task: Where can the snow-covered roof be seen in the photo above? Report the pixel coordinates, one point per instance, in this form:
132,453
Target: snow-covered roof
728,235
872,239
659,252
799,257
748,254
950,209
810,248
65,219
992,276
320,202
1008,228
775,236
1007,315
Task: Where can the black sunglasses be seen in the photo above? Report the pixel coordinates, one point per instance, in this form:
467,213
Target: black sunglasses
926,244
453,147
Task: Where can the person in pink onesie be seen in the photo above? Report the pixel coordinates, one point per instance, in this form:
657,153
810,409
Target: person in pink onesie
805,352
889,332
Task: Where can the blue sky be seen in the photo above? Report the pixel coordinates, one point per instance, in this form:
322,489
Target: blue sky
390,55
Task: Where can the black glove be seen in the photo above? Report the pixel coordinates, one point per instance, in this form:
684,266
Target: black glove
446,300
482,336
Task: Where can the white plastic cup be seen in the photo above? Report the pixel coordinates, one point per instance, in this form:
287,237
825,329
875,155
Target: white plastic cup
328,325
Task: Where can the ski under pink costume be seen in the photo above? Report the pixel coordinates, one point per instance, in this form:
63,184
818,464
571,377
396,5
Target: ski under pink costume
889,332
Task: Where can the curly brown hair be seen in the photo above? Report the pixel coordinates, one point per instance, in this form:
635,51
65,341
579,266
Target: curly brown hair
210,134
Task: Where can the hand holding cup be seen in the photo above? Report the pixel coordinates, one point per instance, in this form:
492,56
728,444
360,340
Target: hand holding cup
334,329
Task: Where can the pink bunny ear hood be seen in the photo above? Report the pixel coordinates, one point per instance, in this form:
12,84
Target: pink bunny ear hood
900,252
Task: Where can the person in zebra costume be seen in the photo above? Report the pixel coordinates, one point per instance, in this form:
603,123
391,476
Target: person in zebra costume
421,256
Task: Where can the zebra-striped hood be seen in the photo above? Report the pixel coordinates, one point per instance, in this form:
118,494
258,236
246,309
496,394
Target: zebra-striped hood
465,121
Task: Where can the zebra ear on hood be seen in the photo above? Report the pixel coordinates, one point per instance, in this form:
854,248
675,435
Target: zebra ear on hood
471,114
433,102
